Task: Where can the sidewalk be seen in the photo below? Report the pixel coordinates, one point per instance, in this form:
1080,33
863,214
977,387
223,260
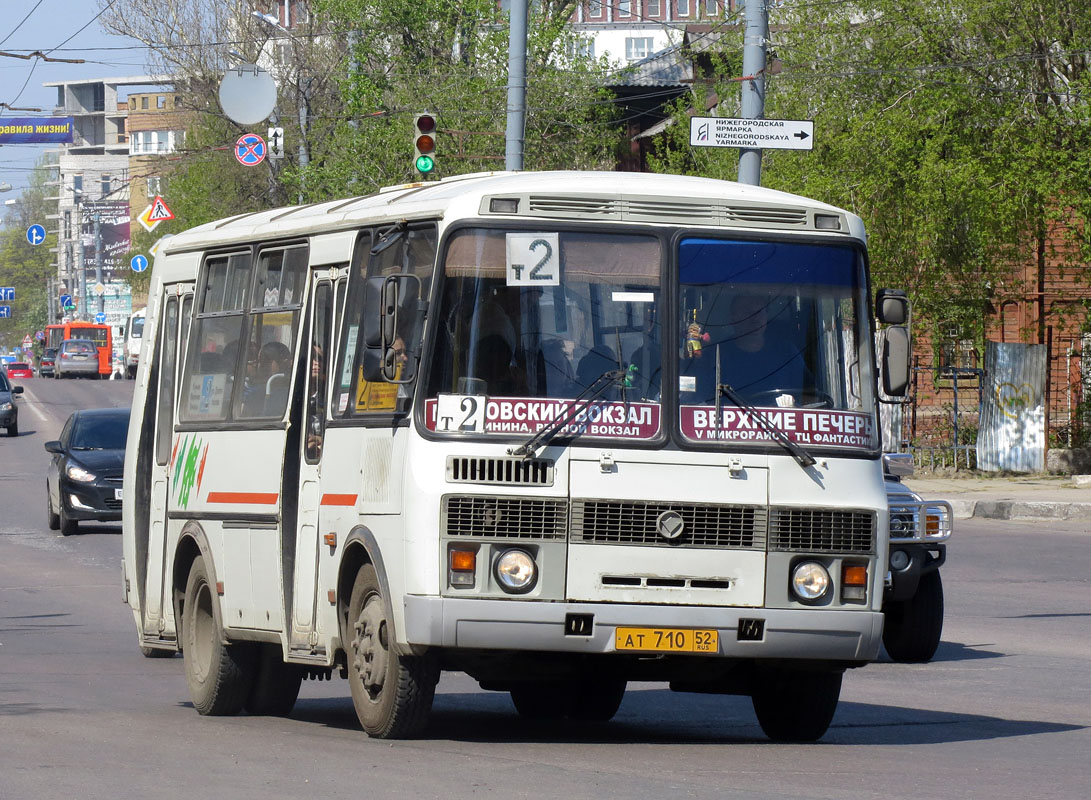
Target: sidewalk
1010,497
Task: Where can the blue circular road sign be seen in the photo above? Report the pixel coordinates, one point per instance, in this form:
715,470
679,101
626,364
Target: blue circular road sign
250,149
35,234
100,318
139,263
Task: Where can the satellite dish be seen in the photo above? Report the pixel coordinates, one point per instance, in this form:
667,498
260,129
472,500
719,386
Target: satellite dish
248,94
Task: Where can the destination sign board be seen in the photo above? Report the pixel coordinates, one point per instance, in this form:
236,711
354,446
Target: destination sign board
751,134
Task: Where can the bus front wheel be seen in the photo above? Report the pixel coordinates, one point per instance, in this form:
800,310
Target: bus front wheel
795,705
392,693
219,675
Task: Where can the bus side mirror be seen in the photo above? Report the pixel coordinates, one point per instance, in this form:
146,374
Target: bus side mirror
894,346
380,294
892,307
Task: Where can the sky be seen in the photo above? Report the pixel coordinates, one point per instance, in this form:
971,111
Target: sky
52,24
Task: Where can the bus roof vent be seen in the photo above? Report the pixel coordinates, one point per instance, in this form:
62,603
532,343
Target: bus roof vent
500,471
779,216
681,211
573,206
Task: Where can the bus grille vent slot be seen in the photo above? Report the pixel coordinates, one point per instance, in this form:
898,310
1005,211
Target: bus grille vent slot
821,530
635,522
504,517
686,212
502,471
781,217
573,207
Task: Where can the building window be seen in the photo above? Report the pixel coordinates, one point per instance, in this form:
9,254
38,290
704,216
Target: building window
637,47
105,185
711,8
144,103
594,8
581,48
624,8
654,8
67,224
161,102
154,183
77,185
682,8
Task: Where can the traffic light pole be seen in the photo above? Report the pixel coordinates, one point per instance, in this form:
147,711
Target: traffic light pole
517,86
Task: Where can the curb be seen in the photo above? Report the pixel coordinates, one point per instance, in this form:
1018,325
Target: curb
1019,509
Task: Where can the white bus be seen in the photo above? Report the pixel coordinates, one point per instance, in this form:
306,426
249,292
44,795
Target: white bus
132,338
515,425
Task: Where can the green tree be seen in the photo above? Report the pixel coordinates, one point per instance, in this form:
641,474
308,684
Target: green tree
25,267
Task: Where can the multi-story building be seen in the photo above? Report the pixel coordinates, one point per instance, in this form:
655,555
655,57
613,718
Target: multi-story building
92,181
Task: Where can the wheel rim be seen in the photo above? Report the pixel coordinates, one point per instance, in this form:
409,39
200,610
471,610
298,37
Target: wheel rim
203,638
371,652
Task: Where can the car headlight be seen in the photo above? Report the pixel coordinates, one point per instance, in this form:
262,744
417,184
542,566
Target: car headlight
78,473
5,406
810,581
516,571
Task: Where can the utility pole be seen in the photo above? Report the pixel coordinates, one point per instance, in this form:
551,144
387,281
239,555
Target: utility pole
81,264
517,86
98,261
753,89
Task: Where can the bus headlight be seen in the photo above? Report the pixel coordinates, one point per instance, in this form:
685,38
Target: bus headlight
516,571
810,581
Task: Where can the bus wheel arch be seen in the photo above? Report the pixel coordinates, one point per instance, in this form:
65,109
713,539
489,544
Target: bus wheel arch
192,544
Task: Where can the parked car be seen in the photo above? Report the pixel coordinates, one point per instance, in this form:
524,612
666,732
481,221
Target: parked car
47,362
913,596
9,411
20,369
83,481
77,357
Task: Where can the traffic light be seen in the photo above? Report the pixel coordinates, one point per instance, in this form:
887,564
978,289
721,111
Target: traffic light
424,143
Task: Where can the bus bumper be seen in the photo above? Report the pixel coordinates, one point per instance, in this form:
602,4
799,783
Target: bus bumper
811,634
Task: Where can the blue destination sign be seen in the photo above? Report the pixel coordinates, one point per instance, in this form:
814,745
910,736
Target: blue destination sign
37,130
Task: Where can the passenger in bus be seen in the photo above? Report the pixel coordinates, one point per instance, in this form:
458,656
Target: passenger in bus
267,388
316,403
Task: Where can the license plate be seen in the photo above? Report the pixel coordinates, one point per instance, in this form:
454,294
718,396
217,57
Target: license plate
117,494
667,640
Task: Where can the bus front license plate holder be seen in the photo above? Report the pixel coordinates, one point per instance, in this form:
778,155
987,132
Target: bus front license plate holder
667,640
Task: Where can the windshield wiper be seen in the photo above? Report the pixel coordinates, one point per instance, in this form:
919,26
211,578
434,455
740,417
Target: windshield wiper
589,395
802,457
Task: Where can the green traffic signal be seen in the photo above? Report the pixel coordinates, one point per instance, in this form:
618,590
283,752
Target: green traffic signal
424,143
425,164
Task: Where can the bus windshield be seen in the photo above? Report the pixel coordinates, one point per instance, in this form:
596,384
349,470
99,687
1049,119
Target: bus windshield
531,319
527,321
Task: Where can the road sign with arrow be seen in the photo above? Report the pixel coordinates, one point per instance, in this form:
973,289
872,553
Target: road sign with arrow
751,134
276,142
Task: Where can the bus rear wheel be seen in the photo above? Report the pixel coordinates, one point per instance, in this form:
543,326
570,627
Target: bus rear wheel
795,705
219,675
392,693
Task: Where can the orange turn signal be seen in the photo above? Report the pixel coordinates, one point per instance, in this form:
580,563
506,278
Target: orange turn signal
463,560
854,575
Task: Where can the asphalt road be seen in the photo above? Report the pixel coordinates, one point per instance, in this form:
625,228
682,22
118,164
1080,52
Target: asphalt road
1003,712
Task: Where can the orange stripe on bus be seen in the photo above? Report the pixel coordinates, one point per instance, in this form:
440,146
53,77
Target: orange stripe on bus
338,500
244,498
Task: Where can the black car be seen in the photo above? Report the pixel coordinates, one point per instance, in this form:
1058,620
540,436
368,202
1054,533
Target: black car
9,411
84,477
47,363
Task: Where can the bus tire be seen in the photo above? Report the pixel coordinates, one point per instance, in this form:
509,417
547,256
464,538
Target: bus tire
392,693
795,705
596,700
276,684
219,675
912,628
52,518
542,700
156,652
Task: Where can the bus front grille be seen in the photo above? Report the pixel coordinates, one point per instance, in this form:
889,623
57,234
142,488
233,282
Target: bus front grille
504,517
502,471
821,530
636,522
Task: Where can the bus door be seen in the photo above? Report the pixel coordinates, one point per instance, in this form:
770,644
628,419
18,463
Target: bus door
329,285
177,310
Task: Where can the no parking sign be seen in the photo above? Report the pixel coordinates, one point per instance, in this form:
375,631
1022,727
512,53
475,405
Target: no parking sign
250,149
